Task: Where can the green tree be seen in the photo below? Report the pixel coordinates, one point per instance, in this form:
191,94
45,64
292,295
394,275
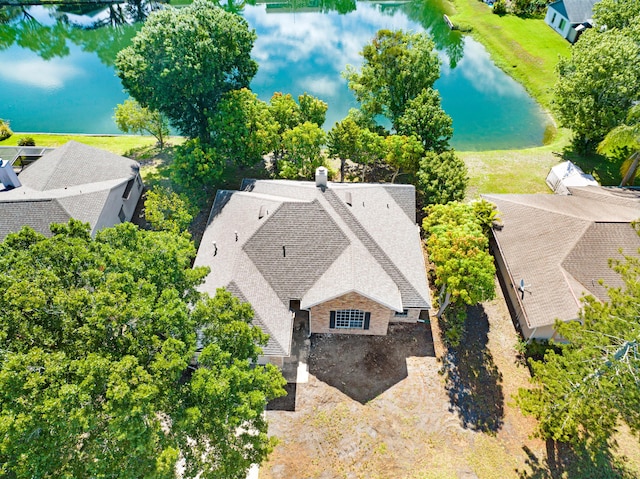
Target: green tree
586,390
97,343
344,142
243,128
464,269
288,115
130,117
625,136
441,178
5,130
167,210
303,151
397,66
597,85
312,109
183,60
403,153
616,13
196,167
425,119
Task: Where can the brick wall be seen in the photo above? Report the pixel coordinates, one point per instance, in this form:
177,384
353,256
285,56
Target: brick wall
413,314
319,316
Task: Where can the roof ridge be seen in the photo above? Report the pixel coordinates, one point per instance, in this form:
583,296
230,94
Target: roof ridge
374,248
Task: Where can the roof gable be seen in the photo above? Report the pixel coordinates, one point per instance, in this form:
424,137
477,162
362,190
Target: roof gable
576,11
76,164
295,246
38,214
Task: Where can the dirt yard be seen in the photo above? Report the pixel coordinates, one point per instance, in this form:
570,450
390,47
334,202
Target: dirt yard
385,407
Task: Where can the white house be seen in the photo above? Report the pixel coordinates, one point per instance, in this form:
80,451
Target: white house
72,181
570,17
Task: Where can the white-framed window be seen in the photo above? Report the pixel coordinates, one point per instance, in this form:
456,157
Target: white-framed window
553,18
349,319
121,215
563,22
403,314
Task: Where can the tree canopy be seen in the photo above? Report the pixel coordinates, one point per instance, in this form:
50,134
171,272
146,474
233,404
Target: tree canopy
183,60
130,117
458,246
592,385
397,67
597,85
625,137
243,128
441,178
97,371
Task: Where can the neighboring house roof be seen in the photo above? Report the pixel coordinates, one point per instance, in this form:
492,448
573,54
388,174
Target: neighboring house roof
576,11
561,245
75,164
296,241
72,181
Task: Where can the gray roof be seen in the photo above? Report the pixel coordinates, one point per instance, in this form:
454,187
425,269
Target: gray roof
76,164
561,245
576,11
73,181
280,240
38,214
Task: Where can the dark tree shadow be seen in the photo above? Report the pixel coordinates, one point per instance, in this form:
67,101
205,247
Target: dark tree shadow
363,367
564,460
605,170
474,383
284,403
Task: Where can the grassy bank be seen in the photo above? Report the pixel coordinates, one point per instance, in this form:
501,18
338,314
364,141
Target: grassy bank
527,49
118,144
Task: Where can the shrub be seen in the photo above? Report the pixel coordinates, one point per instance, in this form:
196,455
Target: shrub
166,210
26,141
500,7
5,131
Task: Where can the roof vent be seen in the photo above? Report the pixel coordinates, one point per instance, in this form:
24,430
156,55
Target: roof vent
347,198
321,177
8,177
262,211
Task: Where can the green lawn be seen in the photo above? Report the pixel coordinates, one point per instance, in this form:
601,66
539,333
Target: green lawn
119,144
525,48
524,171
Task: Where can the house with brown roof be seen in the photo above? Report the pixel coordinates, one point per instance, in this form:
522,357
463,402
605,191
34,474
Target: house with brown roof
348,253
72,181
551,250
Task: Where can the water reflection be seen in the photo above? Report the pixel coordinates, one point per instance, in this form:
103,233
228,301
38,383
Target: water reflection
61,58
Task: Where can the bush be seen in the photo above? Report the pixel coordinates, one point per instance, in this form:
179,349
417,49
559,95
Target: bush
166,210
500,7
26,141
5,131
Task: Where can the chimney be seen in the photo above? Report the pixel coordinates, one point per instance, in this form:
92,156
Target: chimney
8,177
321,177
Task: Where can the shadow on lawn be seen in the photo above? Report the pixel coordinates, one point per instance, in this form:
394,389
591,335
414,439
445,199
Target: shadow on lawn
563,460
474,383
363,367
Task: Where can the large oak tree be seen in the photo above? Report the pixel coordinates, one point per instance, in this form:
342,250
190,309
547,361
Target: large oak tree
184,60
97,371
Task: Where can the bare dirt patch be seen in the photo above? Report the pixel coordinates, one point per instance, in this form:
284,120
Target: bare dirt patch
421,423
363,367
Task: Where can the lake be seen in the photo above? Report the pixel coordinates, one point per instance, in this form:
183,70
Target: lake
57,75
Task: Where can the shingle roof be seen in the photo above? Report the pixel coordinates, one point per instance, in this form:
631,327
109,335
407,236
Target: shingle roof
330,248
576,11
560,246
76,164
75,179
38,214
